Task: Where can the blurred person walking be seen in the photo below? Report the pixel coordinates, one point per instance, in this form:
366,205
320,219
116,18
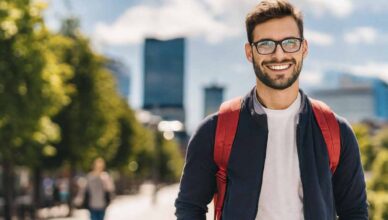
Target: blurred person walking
99,190
274,154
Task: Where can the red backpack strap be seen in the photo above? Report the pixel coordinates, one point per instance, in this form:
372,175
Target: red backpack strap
330,131
227,121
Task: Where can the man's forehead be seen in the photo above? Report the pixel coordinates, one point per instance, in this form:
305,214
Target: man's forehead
277,29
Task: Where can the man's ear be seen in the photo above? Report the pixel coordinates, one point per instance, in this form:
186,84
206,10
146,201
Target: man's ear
305,48
248,52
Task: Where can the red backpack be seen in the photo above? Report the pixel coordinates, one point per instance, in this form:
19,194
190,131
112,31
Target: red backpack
228,117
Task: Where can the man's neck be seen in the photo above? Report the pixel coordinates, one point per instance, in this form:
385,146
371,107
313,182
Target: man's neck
276,99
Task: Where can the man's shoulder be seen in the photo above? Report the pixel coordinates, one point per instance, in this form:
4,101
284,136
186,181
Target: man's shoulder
208,124
346,130
343,123
345,127
340,119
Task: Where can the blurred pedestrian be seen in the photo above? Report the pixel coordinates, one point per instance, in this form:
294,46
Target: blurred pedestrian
98,191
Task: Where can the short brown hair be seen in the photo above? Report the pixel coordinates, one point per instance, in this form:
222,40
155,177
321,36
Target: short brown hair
269,9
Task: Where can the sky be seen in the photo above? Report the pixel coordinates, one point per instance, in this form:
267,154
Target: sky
343,35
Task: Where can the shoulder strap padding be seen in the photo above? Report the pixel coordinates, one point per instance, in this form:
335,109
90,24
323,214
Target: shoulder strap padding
227,122
330,130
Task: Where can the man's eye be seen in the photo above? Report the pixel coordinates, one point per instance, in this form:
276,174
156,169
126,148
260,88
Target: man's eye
265,44
290,42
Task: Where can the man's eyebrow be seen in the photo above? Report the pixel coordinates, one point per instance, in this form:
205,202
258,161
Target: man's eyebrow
264,39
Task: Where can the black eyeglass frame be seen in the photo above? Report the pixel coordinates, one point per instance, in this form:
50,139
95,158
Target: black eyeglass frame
278,42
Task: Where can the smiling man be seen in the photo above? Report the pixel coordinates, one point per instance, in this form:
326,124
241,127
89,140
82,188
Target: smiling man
286,158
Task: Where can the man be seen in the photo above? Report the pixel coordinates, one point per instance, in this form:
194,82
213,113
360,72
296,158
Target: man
278,167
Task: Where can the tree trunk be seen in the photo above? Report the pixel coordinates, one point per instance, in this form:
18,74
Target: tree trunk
37,201
8,179
71,190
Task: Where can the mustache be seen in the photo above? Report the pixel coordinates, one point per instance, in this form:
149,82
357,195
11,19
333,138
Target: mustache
275,61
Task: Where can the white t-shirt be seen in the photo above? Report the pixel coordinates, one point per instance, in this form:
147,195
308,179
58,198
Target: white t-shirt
281,194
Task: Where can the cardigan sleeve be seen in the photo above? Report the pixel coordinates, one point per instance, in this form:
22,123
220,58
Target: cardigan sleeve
348,179
198,182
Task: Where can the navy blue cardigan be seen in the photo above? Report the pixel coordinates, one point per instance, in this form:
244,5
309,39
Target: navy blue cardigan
325,196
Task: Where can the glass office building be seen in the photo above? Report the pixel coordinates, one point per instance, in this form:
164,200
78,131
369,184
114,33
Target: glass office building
164,63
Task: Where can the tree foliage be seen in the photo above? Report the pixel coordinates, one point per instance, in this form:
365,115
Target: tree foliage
367,148
60,104
379,181
171,161
381,139
374,154
32,90
89,125
31,81
135,152
378,205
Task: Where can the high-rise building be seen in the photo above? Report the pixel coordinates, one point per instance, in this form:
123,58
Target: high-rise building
122,76
214,95
164,78
357,98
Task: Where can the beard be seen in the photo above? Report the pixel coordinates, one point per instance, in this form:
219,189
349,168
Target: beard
277,84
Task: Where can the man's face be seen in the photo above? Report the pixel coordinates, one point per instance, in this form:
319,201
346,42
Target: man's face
278,70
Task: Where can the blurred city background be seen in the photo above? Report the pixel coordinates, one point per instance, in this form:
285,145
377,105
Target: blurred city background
129,81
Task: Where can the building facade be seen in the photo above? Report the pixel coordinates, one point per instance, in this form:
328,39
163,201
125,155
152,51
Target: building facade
357,98
164,63
214,95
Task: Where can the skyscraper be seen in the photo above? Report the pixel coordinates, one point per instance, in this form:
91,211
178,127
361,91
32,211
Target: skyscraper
164,78
214,96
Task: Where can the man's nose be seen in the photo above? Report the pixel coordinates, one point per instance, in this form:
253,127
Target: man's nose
278,53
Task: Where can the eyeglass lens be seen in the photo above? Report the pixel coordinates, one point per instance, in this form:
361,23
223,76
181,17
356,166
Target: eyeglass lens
269,46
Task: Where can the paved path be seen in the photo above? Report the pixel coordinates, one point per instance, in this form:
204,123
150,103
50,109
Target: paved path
140,206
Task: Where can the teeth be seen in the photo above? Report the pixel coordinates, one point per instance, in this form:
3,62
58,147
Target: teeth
279,67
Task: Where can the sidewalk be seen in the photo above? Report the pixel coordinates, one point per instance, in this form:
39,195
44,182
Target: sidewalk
140,206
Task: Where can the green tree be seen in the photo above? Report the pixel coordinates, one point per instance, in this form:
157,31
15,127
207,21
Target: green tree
367,149
135,155
379,181
378,205
171,161
89,125
381,138
31,88
135,142
378,184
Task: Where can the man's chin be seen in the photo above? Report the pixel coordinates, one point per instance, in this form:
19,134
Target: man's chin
279,84
276,80
280,87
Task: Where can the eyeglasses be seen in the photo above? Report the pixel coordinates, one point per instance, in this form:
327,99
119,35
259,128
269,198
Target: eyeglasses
288,45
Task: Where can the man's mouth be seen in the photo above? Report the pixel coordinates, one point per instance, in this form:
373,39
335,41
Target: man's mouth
279,67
